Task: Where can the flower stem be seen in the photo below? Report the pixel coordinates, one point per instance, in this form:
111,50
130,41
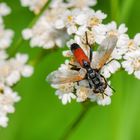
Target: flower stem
115,10
41,56
20,40
71,129
126,9
41,12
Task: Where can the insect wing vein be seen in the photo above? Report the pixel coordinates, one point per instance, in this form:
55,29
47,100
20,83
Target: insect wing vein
104,52
60,77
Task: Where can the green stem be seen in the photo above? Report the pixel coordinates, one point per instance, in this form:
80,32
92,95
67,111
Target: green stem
126,9
73,126
41,56
38,16
115,10
20,40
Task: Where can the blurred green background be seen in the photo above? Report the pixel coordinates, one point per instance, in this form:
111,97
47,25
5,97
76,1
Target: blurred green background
40,114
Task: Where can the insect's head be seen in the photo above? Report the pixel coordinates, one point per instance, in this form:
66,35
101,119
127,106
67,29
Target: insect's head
74,46
99,90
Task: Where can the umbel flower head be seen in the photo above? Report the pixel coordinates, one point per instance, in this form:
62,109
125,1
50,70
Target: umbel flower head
49,31
86,29
11,70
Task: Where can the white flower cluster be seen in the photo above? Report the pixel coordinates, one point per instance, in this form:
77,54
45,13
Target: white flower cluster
7,99
11,70
34,5
45,33
77,22
5,34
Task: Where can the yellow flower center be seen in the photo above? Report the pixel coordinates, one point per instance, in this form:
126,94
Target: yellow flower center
67,87
83,93
70,18
94,21
1,90
137,64
113,33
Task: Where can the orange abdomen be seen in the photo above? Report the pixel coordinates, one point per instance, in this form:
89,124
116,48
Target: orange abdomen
79,54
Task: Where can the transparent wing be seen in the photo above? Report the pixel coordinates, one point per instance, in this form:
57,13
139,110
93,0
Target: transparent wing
60,77
104,51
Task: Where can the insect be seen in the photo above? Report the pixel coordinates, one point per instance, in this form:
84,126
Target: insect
91,73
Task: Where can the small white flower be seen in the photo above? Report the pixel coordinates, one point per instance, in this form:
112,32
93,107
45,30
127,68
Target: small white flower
95,18
3,55
82,93
110,68
7,100
12,78
112,29
120,32
132,44
19,64
12,69
27,34
106,100
6,36
99,33
81,4
68,21
27,71
4,9
64,92
3,120
67,53
131,63
34,5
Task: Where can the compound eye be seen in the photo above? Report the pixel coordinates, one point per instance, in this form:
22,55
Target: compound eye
96,91
101,89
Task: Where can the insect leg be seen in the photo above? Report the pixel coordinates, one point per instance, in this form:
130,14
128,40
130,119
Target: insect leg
74,67
110,61
78,83
89,84
111,88
103,95
108,84
90,55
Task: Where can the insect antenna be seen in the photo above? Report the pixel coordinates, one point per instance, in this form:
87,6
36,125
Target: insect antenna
74,67
108,84
111,88
103,95
110,61
87,38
